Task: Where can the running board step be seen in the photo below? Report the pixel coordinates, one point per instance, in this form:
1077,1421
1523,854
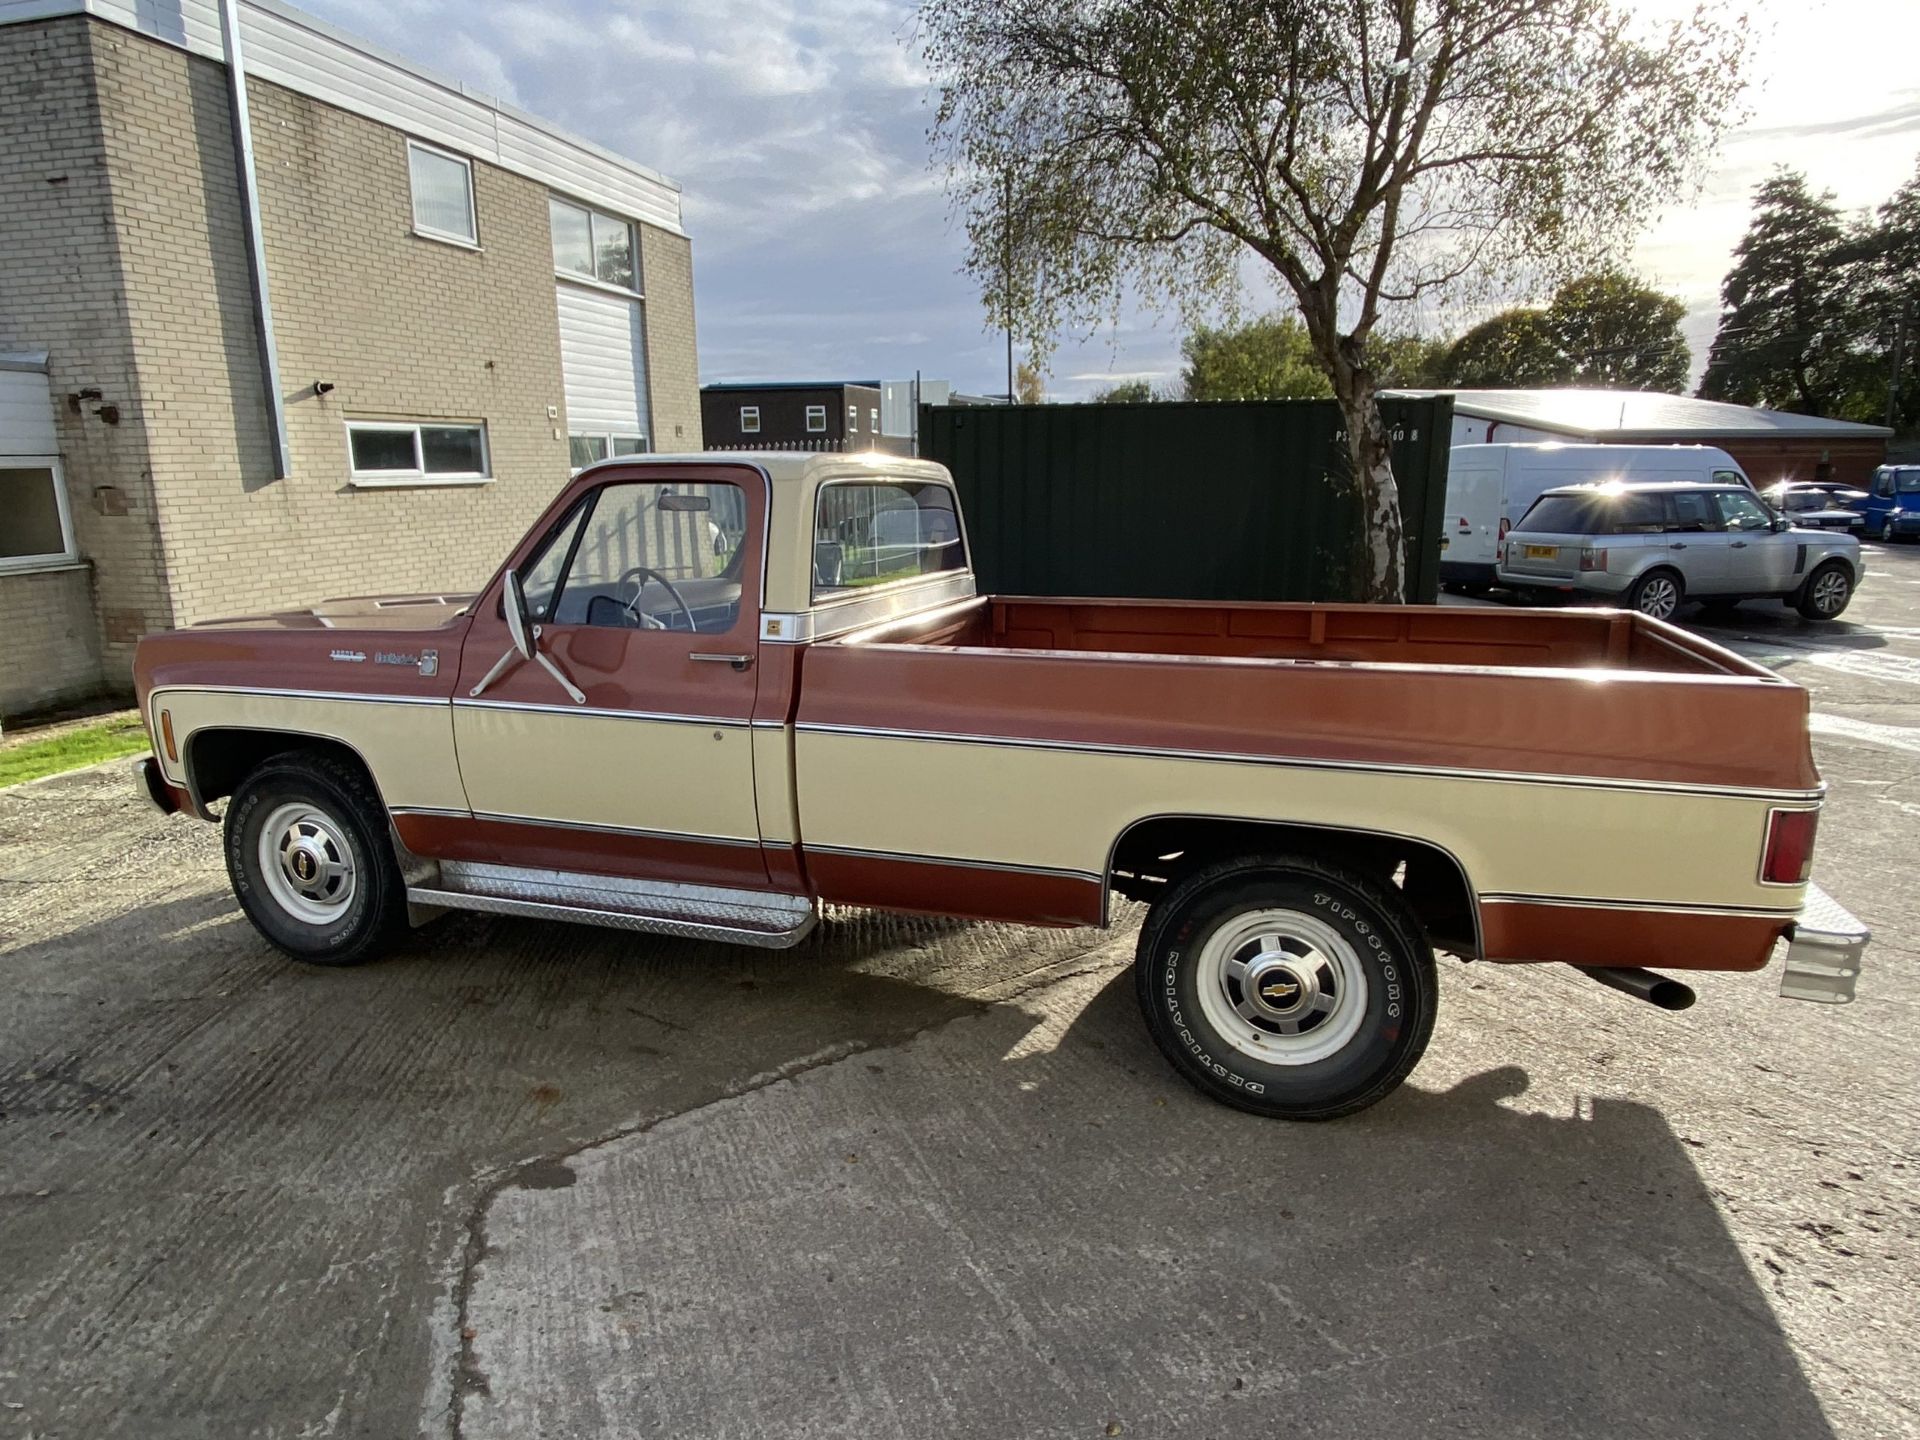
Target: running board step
767,919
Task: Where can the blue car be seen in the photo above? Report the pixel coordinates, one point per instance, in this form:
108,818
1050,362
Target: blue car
1892,506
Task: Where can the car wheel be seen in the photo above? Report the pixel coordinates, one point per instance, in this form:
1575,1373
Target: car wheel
308,855
1886,532
1657,593
1287,987
1827,592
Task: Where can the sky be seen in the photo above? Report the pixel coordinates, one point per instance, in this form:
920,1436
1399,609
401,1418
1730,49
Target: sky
823,242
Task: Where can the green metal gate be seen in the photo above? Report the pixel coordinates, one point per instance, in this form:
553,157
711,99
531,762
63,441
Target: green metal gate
1208,501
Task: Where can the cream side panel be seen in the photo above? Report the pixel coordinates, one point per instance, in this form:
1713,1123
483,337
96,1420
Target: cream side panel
671,776
409,748
773,785
1062,809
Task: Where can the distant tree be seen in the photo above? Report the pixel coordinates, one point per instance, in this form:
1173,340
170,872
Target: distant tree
1788,321
1890,304
1606,329
1269,359
1369,152
1126,392
1406,362
1512,350
1029,384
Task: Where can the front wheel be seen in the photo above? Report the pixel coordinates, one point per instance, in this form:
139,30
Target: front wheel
1287,987
1827,592
1886,532
310,863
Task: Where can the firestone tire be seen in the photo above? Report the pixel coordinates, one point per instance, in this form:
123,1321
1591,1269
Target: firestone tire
1287,987
310,862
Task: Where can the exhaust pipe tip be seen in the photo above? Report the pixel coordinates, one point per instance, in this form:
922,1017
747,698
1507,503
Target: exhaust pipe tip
1660,991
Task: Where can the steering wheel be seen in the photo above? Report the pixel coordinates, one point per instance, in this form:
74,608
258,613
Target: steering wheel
641,574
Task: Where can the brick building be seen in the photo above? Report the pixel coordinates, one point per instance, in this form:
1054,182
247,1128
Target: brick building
460,304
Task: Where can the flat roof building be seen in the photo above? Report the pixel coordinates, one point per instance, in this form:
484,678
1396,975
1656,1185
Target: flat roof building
344,327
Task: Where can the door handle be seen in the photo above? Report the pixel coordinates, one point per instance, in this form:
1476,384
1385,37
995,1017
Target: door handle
738,662
1738,545
1678,545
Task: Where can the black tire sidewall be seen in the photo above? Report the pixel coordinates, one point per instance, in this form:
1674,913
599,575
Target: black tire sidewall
1390,1040
1806,606
1640,586
347,941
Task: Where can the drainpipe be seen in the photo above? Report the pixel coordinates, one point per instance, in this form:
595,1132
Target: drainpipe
256,247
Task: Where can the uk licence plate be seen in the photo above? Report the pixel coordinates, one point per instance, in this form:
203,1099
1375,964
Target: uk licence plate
1542,552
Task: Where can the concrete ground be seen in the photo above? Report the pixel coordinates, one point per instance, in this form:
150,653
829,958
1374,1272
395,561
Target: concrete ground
924,1178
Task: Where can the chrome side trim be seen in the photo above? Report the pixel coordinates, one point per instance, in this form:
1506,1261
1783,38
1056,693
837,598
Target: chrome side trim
1473,896
1302,762
657,716
283,694
635,831
834,618
1665,907
912,858
431,810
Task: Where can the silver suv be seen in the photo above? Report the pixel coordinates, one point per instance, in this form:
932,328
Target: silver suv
1654,546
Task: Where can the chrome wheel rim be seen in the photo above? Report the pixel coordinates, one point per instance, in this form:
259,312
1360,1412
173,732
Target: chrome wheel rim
1830,592
1886,530
1282,987
1659,597
307,864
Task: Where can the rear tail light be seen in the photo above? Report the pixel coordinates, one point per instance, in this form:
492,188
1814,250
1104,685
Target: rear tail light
1592,559
1505,525
1789,855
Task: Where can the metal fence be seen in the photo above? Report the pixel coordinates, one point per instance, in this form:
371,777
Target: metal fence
1228,501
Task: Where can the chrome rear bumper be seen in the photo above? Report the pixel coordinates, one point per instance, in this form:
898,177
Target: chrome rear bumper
1826,945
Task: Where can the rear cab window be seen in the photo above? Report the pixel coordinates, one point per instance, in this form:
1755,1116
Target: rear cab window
868,533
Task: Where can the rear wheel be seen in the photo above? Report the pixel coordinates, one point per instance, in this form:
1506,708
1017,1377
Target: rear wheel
1828,591
1657,593
308,855
1287,987
1886,531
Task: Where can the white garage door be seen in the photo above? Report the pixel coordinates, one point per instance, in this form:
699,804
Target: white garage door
604,360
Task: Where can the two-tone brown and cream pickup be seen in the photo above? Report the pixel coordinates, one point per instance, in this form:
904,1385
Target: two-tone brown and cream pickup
707,695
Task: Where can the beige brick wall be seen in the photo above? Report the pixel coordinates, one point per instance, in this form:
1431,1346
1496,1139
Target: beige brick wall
673,371
59,291
52,643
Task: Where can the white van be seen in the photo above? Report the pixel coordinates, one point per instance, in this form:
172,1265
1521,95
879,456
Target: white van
1489,488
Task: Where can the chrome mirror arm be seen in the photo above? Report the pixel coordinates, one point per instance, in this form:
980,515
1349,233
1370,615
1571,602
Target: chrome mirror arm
573,691
506,663
500,667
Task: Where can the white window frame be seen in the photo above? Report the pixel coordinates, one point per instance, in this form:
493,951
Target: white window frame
418,475
427,232
816,419
749,413
873,420
18,564
575,277
609,436
853,418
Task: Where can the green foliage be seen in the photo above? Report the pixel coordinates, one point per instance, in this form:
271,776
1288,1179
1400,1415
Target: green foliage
1789,324
1029,384
1270,359
1370,152
1605,329
1126,392
83,745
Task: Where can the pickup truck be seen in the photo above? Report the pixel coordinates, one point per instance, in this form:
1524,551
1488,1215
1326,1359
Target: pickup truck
707,695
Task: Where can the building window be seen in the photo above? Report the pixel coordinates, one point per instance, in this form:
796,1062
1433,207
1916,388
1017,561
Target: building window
873,421
587,449
853,418
390,452
35,528
816,419
749,419
592,246
442,194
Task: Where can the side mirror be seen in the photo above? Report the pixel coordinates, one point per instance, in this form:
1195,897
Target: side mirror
519,625
1781,522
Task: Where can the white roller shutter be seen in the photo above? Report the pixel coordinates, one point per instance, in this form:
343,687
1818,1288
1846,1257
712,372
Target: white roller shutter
604,361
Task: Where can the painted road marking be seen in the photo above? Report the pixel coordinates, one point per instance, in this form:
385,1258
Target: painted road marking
1900,669
1891,737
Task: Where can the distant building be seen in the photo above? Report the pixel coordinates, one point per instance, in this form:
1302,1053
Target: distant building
796,415
463,302
1771,445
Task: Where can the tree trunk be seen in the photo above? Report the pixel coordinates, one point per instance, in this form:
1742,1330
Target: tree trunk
1383,546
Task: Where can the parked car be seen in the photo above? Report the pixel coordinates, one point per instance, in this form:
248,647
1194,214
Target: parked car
1892,506
1653,547
1489,488
1817,507
624,729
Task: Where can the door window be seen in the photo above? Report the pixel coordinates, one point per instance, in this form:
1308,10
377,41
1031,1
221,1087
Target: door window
1689,512
644,557
1740,511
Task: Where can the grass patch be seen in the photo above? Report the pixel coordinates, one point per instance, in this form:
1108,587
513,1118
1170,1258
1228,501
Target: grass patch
69,750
